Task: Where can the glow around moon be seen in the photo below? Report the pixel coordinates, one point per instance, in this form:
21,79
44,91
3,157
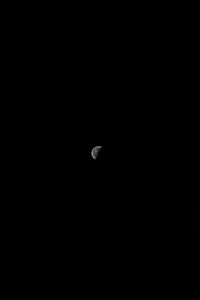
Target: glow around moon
95,152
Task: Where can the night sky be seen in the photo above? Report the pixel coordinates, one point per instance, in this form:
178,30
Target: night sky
195,219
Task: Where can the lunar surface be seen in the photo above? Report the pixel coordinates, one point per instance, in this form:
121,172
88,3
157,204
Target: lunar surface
95,152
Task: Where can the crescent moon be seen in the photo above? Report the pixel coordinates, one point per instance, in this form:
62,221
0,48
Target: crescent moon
95,152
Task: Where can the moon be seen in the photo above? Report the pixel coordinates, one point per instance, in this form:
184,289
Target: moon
95,151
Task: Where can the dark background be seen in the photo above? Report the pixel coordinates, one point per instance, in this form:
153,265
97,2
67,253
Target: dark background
72,87
72,82
195,219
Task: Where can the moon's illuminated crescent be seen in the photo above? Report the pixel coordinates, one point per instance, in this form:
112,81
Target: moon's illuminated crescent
95,152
